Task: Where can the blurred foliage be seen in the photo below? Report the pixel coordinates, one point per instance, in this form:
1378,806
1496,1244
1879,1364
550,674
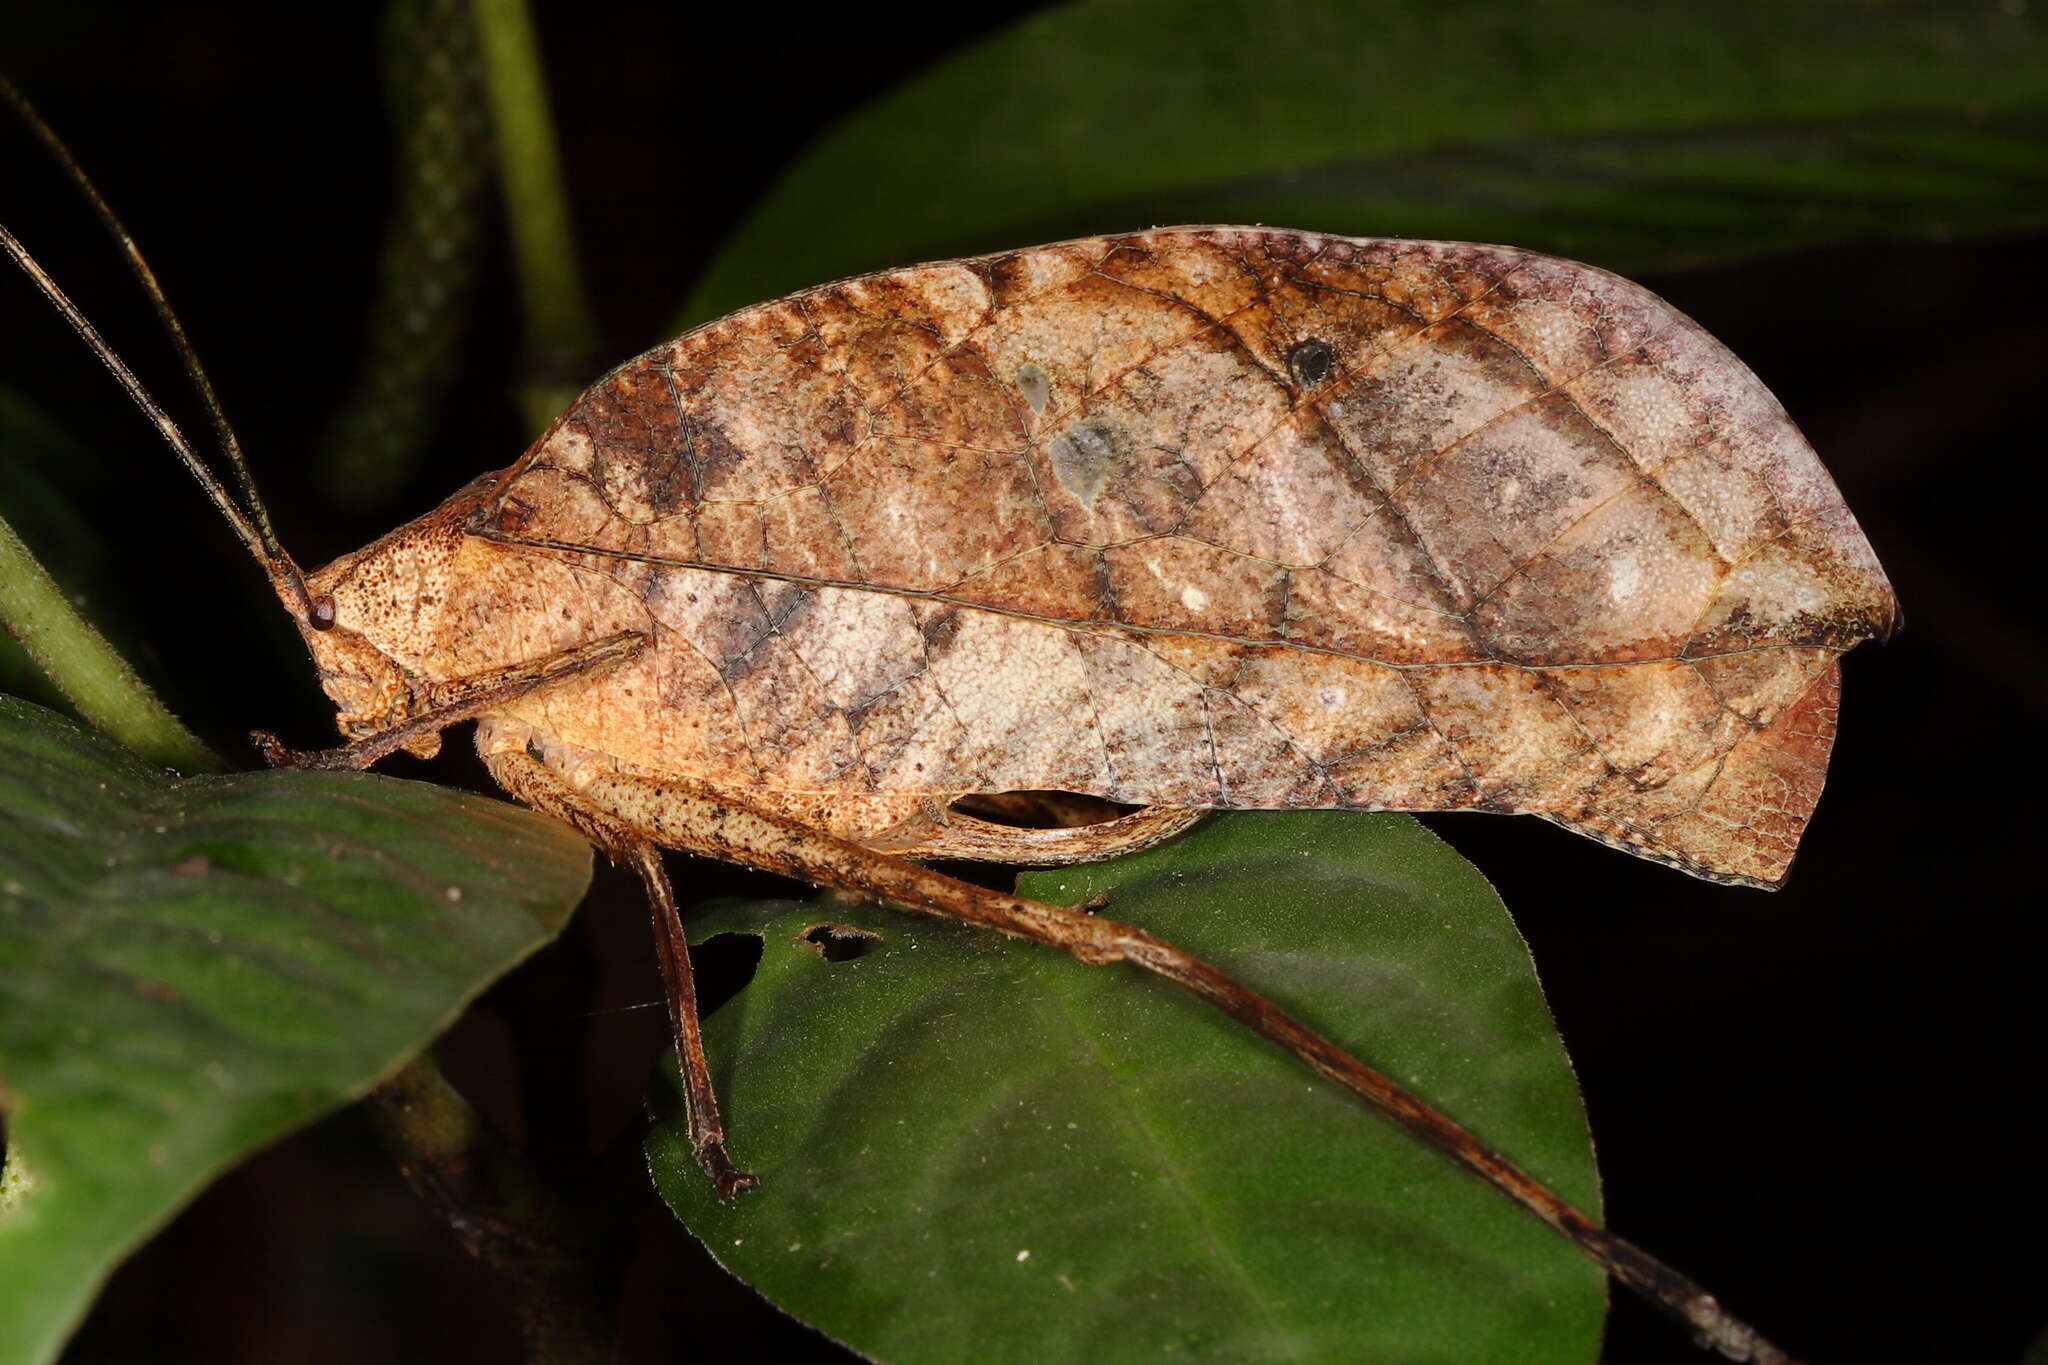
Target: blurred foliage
191,968
1640,137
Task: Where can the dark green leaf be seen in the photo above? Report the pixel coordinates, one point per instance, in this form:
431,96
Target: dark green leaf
977,1149
190,969
1634,136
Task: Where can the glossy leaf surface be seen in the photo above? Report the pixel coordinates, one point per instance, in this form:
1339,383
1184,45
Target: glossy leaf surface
191,969
971,1148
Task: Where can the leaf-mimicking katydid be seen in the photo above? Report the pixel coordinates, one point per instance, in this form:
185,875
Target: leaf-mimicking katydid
1188,519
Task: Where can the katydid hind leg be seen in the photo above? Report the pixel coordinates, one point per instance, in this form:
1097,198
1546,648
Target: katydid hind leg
721,823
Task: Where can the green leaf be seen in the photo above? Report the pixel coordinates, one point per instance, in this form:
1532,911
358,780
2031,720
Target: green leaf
977,1149
191,969
1638,137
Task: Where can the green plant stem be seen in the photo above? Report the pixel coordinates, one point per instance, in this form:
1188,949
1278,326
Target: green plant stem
560,334
558,1257
81,664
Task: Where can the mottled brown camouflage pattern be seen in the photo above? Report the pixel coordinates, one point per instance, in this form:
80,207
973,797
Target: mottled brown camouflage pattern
1201,517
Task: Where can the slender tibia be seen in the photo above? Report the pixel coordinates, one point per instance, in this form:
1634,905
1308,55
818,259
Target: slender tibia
455,700
503,749
679,983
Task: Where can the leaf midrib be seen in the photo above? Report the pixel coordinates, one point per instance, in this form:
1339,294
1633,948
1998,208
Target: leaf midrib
1147,1132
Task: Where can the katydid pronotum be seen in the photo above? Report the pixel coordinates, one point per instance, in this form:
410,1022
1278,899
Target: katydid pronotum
1189,519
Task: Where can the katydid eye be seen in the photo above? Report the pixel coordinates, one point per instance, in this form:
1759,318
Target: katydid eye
320,615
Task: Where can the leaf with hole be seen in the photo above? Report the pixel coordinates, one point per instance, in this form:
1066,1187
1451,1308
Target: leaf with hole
975,1148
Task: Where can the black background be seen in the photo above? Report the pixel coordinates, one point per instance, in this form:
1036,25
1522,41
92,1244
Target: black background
1812,1101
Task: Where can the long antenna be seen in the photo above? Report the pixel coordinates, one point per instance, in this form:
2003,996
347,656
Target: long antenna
150,408
250,519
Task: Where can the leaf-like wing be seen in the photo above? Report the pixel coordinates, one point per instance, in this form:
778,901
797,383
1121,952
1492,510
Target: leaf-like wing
1222,517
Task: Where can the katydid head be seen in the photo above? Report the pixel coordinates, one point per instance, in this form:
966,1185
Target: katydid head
369,614
366,684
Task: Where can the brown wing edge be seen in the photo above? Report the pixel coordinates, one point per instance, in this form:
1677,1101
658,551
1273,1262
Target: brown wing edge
1737,820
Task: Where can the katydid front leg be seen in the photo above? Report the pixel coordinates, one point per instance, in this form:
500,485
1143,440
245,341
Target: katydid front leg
450,702
503,744
679,982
